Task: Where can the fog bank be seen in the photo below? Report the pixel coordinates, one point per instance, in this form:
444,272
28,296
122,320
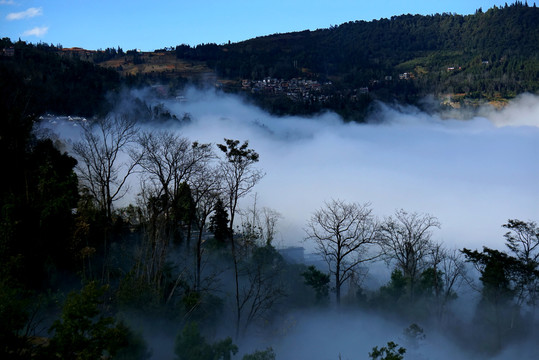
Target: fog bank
472,174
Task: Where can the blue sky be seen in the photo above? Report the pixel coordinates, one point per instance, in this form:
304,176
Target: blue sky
150,25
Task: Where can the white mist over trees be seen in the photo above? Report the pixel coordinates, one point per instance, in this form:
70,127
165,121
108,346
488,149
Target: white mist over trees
452,169
188,178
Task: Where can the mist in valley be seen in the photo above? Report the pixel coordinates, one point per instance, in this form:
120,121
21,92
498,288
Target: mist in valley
472,172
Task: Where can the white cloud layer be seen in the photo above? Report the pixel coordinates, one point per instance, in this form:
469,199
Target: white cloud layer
29,13
473,175
523,111
37,31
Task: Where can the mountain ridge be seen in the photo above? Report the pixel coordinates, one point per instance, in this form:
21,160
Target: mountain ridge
461,60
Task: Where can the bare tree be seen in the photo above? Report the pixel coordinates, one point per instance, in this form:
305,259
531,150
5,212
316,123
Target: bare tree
406,240
259,224
206,186
449,273
453,274
343,233
104,165
169,161
261,286
170,164
164,158
153,252
259,266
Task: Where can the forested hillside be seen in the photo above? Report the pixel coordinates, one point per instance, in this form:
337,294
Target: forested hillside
37,75
358,52
488,55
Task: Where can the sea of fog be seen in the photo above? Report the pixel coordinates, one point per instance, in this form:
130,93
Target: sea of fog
472,174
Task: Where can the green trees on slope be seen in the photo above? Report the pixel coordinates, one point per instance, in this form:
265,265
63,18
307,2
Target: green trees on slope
84,333
509,284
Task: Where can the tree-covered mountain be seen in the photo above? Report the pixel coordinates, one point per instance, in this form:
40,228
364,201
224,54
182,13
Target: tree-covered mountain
48,82
489,54
357,52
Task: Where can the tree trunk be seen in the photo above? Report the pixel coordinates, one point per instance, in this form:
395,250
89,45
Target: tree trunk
338,285
236,278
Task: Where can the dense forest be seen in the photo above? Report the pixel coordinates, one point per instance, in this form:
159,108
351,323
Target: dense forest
358,52
82,277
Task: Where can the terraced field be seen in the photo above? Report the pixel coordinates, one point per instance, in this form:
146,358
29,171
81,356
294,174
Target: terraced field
164,63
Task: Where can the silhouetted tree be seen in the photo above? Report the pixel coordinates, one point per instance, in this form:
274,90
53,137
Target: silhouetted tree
240,176
390,352
206,185
522,239
219,223
496,309
318,281
406,241
343,234
239,173
169,161
104,166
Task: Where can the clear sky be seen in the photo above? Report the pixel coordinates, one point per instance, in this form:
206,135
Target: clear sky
150,25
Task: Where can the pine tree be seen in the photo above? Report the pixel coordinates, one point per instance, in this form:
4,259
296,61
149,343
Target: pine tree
219,223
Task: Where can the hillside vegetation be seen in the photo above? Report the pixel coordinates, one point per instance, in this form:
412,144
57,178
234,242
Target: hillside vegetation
359,52
35,76
489,55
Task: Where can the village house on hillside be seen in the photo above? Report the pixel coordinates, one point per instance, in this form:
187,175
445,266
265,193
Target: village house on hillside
297,89
9,52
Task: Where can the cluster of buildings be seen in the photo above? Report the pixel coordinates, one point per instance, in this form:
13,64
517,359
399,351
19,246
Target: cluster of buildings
406,76
297,89
311,91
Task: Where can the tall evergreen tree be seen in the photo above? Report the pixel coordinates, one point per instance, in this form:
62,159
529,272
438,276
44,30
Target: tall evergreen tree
219,223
